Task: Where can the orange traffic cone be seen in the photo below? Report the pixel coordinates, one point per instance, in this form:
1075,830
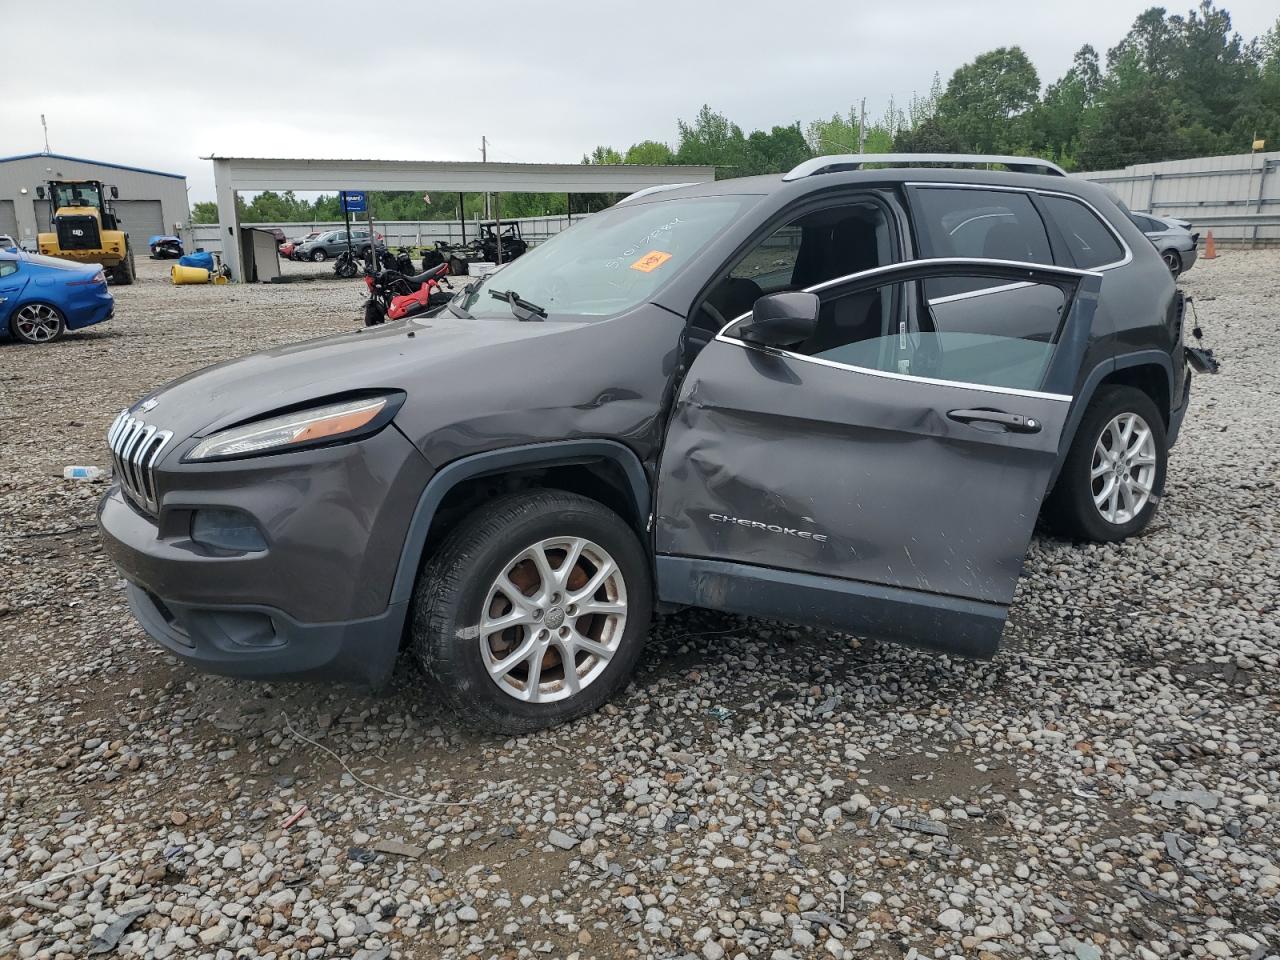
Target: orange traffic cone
1210,251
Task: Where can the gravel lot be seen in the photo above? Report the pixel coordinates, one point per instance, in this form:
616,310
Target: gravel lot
1109,786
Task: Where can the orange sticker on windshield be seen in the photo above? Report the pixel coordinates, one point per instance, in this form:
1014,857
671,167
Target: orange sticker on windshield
651,261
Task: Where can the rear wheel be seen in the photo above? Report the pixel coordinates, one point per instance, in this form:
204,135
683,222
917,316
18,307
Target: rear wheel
37,323
533,611
1173,260
1112,478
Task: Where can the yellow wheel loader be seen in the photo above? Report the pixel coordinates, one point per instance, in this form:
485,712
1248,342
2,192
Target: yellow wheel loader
85,227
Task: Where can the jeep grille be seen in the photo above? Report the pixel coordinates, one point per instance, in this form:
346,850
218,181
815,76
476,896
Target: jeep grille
135,448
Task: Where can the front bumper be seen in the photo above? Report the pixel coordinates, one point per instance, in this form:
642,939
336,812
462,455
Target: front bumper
262,642
317,601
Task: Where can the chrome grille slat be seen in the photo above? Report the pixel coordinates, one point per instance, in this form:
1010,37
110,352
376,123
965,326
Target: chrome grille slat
135,450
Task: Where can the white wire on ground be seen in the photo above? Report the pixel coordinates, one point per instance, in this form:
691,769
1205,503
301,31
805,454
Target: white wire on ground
373,786
61,876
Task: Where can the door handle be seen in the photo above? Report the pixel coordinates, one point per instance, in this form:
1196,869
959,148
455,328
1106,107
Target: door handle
1012,422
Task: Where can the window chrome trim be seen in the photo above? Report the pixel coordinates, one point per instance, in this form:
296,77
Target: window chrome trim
981,292
874,272
1001,188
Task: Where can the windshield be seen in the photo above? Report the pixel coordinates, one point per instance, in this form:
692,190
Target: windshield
610,261
77,195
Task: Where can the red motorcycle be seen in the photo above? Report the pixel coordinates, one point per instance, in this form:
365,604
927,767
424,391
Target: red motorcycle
393,296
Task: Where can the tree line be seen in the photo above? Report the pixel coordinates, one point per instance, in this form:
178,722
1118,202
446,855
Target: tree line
1174,86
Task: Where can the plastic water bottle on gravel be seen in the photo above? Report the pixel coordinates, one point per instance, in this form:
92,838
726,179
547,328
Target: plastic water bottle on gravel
83,473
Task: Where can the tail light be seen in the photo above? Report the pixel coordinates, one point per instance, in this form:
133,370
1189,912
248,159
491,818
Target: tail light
99,277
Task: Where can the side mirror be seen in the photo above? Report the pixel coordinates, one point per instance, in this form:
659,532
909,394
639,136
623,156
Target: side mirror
781,319
115,193
40,192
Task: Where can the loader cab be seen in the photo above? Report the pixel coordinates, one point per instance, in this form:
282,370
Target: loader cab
81,198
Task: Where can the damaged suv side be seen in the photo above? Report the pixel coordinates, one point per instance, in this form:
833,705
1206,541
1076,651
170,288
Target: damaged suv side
840,397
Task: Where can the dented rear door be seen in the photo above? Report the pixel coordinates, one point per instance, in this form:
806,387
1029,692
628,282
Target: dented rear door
879,482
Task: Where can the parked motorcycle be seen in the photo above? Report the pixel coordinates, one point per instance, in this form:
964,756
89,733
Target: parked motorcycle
394,296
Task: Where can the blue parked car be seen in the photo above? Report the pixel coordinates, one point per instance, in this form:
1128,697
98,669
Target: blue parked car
42,297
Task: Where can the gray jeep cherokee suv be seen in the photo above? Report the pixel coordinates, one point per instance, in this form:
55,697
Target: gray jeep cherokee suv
839,397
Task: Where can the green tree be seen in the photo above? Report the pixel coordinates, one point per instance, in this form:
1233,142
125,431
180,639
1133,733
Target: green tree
1133,124
650,152
602,154
1055,122
204,211
712,139
774,152
986,102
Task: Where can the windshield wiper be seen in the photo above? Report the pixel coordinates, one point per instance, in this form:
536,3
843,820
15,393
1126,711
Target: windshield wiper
523,309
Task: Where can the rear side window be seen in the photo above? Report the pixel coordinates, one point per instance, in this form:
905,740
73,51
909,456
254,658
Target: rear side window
8,267
1090,242
990,224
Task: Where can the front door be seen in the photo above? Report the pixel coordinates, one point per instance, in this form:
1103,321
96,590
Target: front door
884,475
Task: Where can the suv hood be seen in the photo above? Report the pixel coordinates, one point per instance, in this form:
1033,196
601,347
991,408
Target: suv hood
395,356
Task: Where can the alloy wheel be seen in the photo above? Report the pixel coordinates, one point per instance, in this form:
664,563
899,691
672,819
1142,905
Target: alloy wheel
1172,261
553,619
1123,470
37,322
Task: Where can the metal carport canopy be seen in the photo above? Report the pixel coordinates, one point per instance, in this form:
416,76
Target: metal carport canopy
250,174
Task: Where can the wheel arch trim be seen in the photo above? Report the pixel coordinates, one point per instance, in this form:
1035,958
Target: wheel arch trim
555,453
1084,396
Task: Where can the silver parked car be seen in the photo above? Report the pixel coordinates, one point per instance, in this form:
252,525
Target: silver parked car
1173,238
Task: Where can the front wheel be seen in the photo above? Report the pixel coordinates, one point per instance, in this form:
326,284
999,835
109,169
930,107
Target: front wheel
319,256
122,273
1113,476
533,611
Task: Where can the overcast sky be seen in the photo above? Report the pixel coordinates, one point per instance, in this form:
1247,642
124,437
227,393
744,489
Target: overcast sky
545,81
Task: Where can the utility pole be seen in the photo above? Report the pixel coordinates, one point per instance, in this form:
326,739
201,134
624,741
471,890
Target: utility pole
862,126
484,158
46,132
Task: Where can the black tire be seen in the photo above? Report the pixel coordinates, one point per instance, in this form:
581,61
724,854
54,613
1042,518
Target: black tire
454,586
1173,260
37,323
319,256
122,273
1070,508
373,313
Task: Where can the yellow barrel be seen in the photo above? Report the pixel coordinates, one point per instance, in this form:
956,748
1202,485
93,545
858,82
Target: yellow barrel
183,274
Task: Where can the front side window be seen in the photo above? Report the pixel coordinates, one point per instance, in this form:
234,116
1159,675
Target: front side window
822,245
1002,340
1090,242
608,262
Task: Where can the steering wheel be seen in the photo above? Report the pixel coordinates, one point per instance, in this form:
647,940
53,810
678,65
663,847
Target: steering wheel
715,314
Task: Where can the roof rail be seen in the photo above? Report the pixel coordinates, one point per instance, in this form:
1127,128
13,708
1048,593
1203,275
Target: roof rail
658,189
856,161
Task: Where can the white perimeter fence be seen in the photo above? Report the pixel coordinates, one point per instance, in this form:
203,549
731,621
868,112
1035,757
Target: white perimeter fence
1237,197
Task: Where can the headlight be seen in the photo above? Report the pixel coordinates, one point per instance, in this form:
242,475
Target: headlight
348,420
